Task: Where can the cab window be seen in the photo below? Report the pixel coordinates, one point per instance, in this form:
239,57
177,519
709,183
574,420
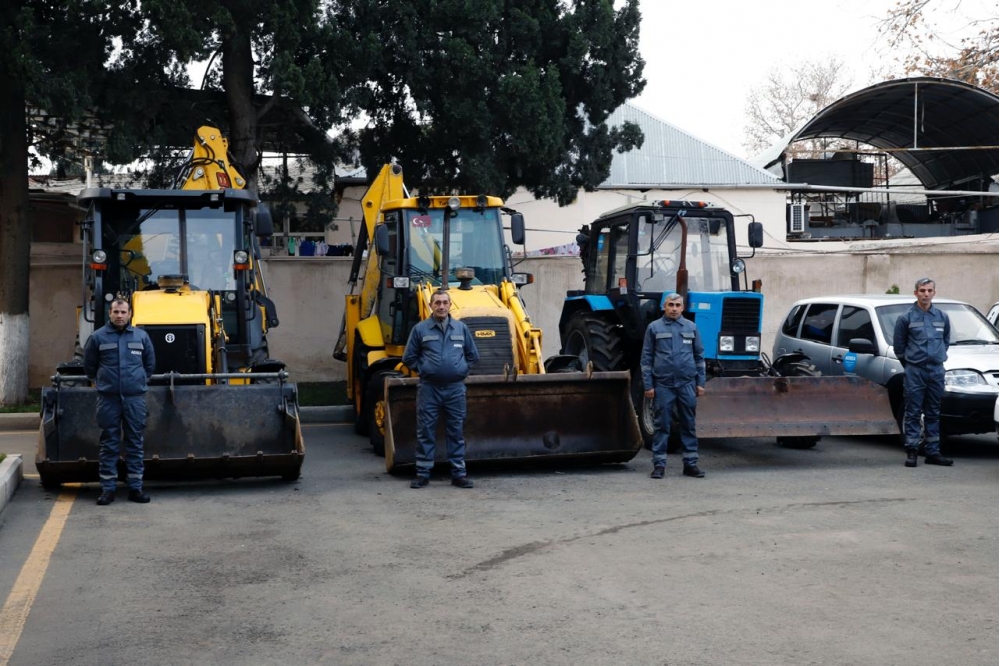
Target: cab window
818,322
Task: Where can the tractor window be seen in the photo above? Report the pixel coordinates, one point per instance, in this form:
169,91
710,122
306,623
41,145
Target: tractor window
387,310
621,254
475,242
210,247
818,322
597,279
855,323
706,254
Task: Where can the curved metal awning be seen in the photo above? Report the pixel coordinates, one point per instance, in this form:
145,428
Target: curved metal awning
946,132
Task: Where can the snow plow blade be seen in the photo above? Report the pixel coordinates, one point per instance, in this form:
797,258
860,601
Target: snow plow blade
794,407
192,432
558,417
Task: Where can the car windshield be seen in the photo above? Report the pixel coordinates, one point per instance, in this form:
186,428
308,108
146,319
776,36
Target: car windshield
967,325
474,242
707,255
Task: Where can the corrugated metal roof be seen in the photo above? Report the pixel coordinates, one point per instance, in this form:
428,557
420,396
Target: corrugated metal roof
671,157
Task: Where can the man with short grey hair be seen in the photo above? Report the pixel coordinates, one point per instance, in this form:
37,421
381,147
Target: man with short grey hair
673,373
920,341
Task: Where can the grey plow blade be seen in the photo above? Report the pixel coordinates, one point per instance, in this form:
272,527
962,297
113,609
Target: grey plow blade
526,419
794,407
192,432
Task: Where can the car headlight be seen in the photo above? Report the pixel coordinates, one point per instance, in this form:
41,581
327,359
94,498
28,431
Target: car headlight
964,379
726,343
753,343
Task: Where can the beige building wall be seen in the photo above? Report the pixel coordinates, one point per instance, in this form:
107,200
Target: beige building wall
309,293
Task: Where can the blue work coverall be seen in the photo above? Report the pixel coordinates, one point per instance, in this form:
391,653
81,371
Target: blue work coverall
120,362
673,364
920,341
441,353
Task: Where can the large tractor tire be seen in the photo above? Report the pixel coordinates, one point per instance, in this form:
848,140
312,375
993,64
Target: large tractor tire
800,369
374,410
595,340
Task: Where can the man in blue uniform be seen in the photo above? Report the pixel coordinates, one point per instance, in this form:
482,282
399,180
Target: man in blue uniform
119,357
920,341
441,350
673,372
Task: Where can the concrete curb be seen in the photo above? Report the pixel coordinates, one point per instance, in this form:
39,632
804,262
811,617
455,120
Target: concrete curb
19,421
11,475
328,414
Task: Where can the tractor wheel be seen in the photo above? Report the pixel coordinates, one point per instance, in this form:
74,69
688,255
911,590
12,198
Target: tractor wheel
374,410
643,408
800,369
596,341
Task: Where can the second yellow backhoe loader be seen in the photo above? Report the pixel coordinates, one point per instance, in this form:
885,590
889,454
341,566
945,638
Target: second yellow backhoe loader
516,412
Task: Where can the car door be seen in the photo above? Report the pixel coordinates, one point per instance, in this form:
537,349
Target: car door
855,322
816,335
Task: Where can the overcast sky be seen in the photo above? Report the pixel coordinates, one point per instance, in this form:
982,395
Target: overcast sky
704,56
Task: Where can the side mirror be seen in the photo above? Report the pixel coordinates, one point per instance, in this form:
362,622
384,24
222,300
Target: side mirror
381,240
755,234
861,346
263,224
517,228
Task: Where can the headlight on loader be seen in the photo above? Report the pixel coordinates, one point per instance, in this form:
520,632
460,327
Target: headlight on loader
753,343
726,343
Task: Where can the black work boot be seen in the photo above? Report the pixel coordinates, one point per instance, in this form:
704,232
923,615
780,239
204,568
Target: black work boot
657,472
136,495
106,498
420,482
938,459
694,471
911,458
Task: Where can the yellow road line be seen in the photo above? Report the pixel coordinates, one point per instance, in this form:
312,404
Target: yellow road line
18,432
15,610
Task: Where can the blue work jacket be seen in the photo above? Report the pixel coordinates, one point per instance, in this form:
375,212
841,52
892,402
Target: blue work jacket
921,338
672,354
441,353
119,361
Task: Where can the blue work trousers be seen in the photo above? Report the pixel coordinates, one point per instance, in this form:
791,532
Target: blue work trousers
433,402
121,419
923,388
664,400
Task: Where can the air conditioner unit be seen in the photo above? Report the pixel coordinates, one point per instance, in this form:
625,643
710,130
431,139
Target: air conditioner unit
797,216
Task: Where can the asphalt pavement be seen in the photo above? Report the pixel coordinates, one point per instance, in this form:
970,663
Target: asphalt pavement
835,555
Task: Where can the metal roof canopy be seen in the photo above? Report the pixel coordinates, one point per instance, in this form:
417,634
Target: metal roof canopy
946,132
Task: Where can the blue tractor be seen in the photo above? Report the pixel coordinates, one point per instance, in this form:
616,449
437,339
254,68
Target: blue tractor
632,256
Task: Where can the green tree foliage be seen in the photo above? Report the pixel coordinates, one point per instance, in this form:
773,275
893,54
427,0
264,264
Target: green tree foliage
491,95
52,55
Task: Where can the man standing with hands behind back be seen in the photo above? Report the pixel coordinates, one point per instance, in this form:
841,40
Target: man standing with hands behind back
673,371
120,358
440,349
920,341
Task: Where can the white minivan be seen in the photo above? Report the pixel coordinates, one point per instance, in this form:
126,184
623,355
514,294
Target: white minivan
853,335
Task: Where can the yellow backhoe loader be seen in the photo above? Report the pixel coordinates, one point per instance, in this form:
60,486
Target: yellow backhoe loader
188,261
516,412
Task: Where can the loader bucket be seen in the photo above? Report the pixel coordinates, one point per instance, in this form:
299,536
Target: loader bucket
794,407
192,432
525,419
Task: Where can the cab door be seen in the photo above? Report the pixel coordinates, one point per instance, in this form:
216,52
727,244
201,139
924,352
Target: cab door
816,336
